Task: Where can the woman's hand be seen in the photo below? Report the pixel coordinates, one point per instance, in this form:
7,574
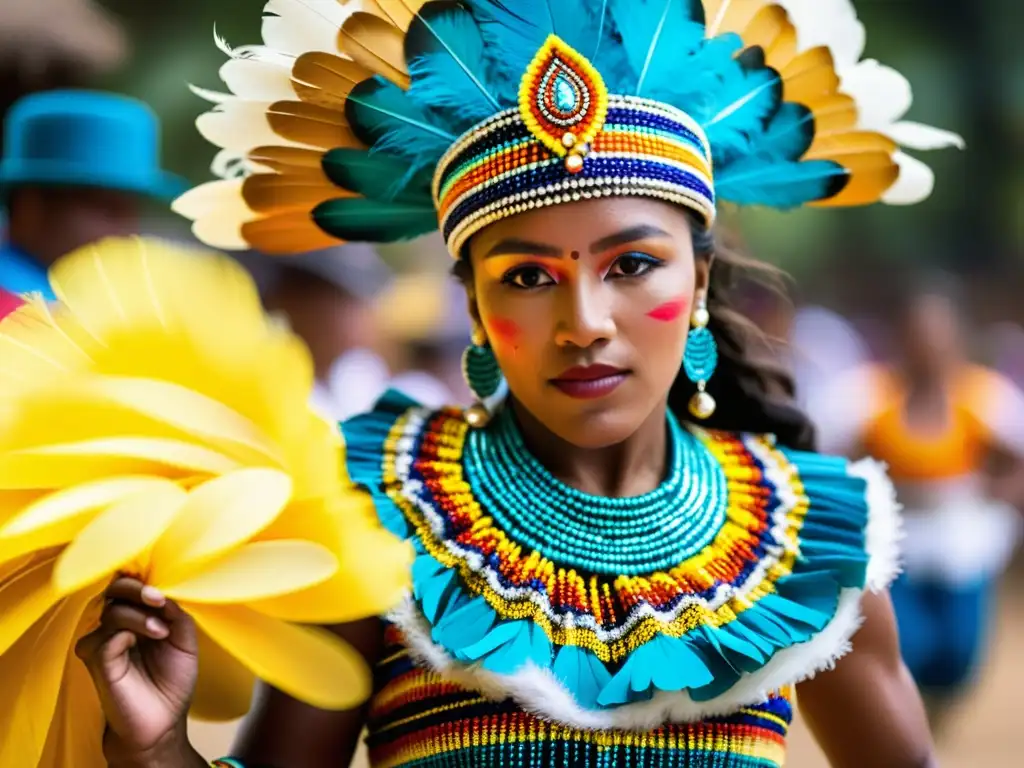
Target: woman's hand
143,660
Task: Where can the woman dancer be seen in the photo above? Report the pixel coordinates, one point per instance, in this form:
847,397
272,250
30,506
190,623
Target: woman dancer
616,564
947,430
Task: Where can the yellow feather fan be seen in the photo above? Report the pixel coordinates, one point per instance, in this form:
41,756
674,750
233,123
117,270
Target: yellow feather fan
155,423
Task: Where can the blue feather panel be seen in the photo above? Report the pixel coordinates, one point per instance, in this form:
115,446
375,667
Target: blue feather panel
444,50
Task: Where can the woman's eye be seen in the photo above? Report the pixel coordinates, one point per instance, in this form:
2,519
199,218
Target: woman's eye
528,277
633,265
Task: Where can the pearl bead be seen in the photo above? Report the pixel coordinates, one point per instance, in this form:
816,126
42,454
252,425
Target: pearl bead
701,317
477,416
574,163
702,405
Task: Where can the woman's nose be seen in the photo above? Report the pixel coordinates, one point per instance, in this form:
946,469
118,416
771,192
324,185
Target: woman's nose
586,315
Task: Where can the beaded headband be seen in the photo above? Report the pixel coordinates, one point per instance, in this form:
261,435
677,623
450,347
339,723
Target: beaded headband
569,140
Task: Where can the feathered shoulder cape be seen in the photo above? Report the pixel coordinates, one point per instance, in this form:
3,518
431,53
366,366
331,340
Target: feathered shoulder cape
754,578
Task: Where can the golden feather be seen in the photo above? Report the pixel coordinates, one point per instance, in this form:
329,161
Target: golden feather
377,45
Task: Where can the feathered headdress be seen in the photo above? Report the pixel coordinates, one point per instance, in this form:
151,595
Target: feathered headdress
380,120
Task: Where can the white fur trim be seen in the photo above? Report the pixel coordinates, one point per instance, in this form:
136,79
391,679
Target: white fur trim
885,525
539,692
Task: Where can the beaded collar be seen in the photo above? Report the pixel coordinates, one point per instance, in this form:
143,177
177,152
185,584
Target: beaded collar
595,534
740,574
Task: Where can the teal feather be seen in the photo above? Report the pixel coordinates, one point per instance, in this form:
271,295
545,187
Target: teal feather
657,37
514,30
377,176
784,184
358,219
444,49
467,624
789,133
384,118
503,632
581,672
748,97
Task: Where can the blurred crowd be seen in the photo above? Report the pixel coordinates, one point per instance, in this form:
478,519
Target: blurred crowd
907,375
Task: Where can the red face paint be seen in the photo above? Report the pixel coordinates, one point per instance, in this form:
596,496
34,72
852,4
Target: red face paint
668,311
503,329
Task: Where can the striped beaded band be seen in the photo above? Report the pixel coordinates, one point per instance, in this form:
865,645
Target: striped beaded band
570,140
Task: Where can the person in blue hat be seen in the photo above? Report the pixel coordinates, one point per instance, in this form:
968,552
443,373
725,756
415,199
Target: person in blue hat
75,168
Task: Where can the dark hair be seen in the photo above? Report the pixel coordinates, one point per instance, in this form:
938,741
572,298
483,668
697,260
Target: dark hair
754,392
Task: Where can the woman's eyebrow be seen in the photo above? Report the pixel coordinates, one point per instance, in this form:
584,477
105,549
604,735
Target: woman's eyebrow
632,234
514,245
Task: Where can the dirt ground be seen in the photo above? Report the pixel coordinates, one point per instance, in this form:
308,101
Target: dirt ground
981,736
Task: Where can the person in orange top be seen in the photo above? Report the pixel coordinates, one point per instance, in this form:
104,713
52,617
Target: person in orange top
949,431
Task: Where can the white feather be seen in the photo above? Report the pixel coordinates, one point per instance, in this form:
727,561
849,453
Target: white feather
885,524
222,43
298,26
239,125
231,164
919,136
217,211
882,94
215,97
831,23
258,79
914,184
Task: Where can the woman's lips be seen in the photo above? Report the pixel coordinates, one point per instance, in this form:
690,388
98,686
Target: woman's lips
590,382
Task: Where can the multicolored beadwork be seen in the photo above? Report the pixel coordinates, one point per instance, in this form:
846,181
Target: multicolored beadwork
569,140
692,600
419,718
563,101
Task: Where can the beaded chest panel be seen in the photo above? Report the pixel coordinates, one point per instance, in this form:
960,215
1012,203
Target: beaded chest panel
739,575
419,718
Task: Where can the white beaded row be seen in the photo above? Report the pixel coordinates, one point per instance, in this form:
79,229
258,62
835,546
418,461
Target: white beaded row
574,190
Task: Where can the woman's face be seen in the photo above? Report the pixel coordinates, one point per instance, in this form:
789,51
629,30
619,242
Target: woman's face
587,306
931,333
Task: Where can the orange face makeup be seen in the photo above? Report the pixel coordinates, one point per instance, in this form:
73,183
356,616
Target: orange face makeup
503,330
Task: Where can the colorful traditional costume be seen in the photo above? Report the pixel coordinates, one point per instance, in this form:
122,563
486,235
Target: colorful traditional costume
546,626
957,540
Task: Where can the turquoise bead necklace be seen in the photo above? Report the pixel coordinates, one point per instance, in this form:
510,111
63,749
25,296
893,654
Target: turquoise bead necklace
628,536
